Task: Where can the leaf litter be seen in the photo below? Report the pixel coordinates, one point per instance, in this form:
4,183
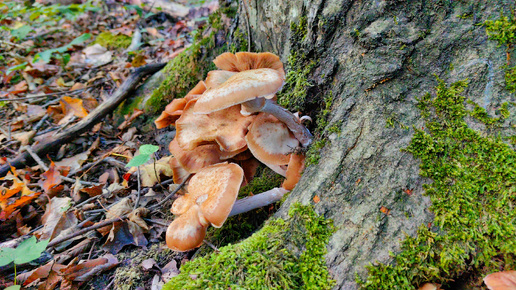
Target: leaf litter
54,73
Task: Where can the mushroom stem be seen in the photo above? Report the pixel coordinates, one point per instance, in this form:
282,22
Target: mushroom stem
300,132
256,201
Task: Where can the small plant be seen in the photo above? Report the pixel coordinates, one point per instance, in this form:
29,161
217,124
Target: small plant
60,52
28,250
145,154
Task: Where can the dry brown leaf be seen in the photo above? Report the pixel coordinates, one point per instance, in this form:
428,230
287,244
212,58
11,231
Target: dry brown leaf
24,137
93,191
46,272
150,173
75,162
85,271
56,218
148,264
52,178
73,106
385,210
129,119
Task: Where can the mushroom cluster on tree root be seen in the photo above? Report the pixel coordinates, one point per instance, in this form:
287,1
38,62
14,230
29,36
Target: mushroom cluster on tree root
225,126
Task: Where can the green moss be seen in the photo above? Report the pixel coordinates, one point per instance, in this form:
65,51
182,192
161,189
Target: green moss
502,30
240,42
392,122
472,194
294,92
480,114
299,30
313,155
113,41
263,261
510,79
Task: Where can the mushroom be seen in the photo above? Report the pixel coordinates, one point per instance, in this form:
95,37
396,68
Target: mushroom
187,231
270,141
242,61
210,196
505,280
179,173
253,89
174,110
296,165
225,127
201,156
216,78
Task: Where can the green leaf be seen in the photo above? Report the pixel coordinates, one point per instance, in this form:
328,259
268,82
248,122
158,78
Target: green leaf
21,33
81,39
65,58
13,287
6,256
16,67
148,149
45,56
29,250
138,160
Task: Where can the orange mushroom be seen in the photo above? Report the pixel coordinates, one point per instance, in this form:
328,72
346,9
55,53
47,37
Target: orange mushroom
210,196
225,127
296,165
505,280
242,61
216,78
254,90
270,141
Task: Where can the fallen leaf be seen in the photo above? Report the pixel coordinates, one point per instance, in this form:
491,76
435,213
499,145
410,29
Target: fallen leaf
408,192
129,119
75,162
93,190
148,264
96,55
150,173
57,218
18,203
24,137
73,106
317,199
385,210
85,271
52,178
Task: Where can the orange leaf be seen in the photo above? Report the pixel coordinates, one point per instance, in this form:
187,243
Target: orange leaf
73,106
94,190
317,199
385,210
23,200
52,178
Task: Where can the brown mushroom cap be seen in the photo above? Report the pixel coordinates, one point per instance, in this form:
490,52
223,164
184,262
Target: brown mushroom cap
215,189
225,127
187,231
242,61
216,78
199,88
241,87
505,280
295,168
179,174
171,113
270,141
201,156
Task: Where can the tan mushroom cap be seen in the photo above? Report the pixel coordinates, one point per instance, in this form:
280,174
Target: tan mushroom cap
295,168
505,280
187,231
199,88
201,156
171,113
179,174
241,87
215,189
225,127
216,78
242,61
270,141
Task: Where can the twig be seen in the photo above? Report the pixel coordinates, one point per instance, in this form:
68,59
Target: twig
40,123
211,245
85,230
157,205
156,222
137,202
86,123
12,44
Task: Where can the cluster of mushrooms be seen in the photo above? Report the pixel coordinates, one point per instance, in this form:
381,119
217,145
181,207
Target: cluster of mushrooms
225,126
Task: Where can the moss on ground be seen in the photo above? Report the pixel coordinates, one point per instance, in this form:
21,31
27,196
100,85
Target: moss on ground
113,41
263,261
473,199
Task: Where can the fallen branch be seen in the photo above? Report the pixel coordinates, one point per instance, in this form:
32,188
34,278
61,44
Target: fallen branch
87,123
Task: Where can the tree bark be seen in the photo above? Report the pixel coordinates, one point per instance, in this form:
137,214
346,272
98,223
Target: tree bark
376,57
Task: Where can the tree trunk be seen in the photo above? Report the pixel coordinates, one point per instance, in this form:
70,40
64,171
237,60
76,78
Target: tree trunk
375,58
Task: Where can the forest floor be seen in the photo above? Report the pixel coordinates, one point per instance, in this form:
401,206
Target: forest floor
58,64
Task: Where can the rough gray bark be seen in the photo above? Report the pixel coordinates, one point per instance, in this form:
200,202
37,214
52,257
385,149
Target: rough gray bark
376,57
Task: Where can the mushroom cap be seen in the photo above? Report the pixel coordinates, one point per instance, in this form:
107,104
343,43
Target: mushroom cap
250,166
171,113
179,174
187,231
199,88
181,205
216,78
505,280
270,141
225,127
295,167
240,88
215,189
201,156
242,61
